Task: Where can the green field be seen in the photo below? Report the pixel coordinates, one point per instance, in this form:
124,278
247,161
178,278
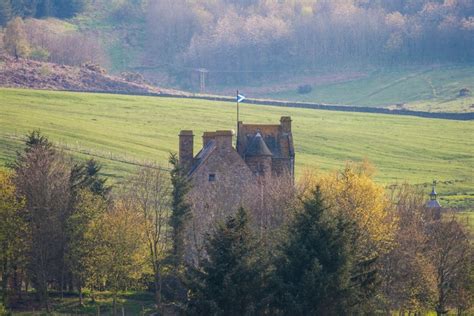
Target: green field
429,88
130,302
123,131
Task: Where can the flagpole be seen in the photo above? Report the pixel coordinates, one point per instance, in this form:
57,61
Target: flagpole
237,139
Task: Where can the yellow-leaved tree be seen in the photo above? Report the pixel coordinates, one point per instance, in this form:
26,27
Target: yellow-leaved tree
119,257
13,231
354,193
15,40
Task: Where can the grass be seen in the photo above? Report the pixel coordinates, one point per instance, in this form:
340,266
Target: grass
434,88
467,218
132,303
122,131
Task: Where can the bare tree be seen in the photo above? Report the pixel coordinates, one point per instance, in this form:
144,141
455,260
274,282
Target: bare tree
269,202
150,190
407,274
452,256
42,177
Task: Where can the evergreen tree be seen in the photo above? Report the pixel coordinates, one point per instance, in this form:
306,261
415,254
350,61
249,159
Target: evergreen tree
230,282
45,8
313,273
180,210
5,12
24,8
69,8
86,176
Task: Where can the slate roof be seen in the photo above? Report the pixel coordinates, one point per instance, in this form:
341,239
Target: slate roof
433,202
257,147
202,155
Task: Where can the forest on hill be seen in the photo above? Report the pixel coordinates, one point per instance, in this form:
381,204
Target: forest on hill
242,41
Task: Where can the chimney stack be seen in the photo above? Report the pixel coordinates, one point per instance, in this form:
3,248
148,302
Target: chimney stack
207,137
186,146
285,123
224,139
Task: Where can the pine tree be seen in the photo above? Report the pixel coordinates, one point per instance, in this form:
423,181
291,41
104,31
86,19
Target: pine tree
313,273
24,8
45,8
180,210
5,12
230,281
69,8
87,176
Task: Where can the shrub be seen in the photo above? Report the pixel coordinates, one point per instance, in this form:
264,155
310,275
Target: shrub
40,54
44,71
304,89
464,92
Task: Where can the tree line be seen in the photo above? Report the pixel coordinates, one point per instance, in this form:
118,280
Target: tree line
40,41
243,41
334,243
40,9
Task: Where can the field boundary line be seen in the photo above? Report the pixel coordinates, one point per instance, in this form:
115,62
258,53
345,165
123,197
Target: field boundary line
466,116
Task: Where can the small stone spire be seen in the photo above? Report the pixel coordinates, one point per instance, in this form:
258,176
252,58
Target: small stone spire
433,194
433,202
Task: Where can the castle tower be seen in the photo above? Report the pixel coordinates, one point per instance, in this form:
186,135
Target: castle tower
258,157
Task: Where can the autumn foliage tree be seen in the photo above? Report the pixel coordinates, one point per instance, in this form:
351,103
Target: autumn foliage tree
15,40
150,190
81,255
354,194
119,253
407,275
13,231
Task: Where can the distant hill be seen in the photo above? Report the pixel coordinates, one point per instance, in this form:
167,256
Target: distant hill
24,73
435,88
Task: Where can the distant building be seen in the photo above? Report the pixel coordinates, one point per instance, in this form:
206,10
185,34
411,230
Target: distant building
224,177
433,204
262,150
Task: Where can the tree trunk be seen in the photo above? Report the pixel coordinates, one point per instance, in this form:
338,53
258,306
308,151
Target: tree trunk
18,289
158,287
62,280
4,288
114,303
81,303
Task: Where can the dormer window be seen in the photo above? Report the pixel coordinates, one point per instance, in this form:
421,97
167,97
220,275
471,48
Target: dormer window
212,177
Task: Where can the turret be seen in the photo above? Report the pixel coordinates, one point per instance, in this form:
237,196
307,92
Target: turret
258,157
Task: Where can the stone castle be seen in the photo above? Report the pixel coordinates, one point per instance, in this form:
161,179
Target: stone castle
261,150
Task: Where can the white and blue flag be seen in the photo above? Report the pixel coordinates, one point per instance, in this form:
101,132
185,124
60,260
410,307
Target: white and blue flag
240,98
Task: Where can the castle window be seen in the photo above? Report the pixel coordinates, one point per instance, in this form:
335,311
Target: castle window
212,177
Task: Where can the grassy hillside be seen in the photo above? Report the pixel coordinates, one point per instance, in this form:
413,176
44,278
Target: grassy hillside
122,131
433,88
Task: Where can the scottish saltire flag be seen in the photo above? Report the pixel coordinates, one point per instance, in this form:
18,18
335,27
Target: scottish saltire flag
240,98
